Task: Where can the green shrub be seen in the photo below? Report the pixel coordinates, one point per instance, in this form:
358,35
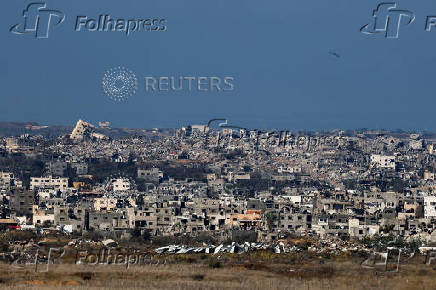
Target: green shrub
213,263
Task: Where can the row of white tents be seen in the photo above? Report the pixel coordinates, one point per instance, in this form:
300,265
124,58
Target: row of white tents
233,248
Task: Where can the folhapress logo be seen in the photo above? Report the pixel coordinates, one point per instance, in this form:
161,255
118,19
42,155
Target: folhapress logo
38,20
388,20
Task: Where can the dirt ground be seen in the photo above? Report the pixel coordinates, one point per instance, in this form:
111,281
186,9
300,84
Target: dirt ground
335,275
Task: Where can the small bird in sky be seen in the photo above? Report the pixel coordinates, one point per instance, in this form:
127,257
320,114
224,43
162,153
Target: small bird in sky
335,54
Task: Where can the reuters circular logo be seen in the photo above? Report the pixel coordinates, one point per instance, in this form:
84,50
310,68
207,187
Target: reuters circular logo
119,83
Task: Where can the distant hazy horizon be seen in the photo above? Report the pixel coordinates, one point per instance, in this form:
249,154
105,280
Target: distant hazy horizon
215,126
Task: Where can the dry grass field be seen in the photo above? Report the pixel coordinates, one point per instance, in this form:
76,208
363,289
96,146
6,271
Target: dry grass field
329,275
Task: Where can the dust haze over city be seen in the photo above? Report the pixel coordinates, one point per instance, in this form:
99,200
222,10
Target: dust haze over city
217,145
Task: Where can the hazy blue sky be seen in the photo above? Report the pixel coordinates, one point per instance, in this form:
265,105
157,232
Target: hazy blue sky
277,50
